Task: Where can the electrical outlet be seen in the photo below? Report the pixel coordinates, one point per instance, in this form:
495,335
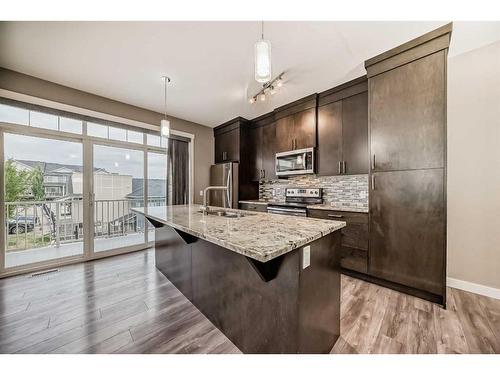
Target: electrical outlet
201,193
306,256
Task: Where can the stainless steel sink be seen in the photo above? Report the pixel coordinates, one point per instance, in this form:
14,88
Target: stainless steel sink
226,213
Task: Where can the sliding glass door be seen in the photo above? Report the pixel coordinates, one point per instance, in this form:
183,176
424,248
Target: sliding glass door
118,186
68,184
43,193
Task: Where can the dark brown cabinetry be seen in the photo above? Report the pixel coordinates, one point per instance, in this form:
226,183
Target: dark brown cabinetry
407,227
231,145
296,125
227,142
407,120
262,136
354,250
343,129
407,125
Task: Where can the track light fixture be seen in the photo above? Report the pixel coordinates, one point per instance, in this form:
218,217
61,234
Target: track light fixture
270,87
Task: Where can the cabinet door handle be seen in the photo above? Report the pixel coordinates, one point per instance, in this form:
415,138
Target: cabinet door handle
344,167
373,161
263,173
373,182
340,167
336,216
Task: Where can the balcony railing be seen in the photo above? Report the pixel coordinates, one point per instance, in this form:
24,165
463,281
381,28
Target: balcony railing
35,224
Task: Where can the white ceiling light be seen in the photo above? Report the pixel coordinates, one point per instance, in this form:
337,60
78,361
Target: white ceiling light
262,51
165,124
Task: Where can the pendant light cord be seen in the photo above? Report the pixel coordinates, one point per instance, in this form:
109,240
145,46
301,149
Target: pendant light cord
165,97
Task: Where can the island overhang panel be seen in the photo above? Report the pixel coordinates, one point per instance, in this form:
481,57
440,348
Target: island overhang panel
276,305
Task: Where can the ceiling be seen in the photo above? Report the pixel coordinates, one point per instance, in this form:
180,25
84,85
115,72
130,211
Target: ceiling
210,63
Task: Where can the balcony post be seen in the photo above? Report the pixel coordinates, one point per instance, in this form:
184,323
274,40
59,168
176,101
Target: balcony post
56,223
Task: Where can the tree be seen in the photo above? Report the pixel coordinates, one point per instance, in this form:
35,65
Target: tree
17,183
36,181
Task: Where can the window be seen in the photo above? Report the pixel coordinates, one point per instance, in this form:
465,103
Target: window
97,130
117,134
44,120
14,115
153,140
135,137
70,125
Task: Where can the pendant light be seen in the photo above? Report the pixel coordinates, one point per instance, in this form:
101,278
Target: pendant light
262,51
165,124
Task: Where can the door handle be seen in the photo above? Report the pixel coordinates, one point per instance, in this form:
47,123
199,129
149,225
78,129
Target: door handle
344,167
340,167
336,216
373,161
263,173
373,182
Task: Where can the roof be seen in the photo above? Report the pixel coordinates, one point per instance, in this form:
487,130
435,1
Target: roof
48,168
156,188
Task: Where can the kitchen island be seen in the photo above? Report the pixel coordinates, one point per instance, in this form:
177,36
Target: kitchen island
270,283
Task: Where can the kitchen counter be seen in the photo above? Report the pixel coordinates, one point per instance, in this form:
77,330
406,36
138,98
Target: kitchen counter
270,283
260,236
338,208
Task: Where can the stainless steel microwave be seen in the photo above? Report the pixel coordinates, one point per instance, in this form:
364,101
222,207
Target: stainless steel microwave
295,162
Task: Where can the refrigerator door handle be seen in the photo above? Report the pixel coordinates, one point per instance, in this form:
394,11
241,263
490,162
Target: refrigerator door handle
229,186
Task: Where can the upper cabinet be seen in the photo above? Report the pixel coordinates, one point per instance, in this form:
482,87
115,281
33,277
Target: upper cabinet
296,124
407,120
343,129
227,140
261,140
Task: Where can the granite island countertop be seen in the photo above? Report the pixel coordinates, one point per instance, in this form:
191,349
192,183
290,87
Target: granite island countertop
258,235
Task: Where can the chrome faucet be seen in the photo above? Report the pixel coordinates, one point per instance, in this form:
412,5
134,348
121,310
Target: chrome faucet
204,208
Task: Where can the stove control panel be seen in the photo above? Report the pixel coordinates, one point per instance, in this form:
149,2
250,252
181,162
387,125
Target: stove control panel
303,192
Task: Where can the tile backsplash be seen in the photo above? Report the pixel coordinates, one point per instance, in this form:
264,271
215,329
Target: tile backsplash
338,191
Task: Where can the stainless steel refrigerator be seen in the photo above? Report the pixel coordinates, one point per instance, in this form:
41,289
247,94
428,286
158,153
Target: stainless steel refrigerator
224,175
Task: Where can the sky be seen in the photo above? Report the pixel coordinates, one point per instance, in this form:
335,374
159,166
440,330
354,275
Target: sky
113,159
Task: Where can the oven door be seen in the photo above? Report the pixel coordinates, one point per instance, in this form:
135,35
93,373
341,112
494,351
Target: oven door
287,211
295,162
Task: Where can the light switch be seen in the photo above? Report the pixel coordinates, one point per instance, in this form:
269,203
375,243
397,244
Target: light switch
306,256
201,193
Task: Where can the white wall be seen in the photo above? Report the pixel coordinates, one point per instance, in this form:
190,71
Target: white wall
474,166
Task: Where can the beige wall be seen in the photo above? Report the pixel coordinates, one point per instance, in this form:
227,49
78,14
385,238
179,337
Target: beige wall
203,142
474,166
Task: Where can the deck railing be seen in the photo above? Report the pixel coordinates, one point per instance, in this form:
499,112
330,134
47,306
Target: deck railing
34,224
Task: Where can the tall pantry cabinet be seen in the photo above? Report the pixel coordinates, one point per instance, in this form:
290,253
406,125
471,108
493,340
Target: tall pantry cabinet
407,142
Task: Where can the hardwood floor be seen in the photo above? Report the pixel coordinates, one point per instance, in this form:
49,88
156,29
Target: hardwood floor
124,305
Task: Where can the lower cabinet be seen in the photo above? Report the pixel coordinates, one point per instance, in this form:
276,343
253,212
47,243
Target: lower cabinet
354,250
408,229
253,207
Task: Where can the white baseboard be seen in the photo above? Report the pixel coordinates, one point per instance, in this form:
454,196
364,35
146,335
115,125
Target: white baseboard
474,288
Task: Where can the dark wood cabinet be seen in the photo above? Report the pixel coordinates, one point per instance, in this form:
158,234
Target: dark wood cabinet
296,125
262,136
354,249
285,136
329,154
232,145
268,151
227,146
343,129
254,140
407,228
407,125
355,134
407,120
